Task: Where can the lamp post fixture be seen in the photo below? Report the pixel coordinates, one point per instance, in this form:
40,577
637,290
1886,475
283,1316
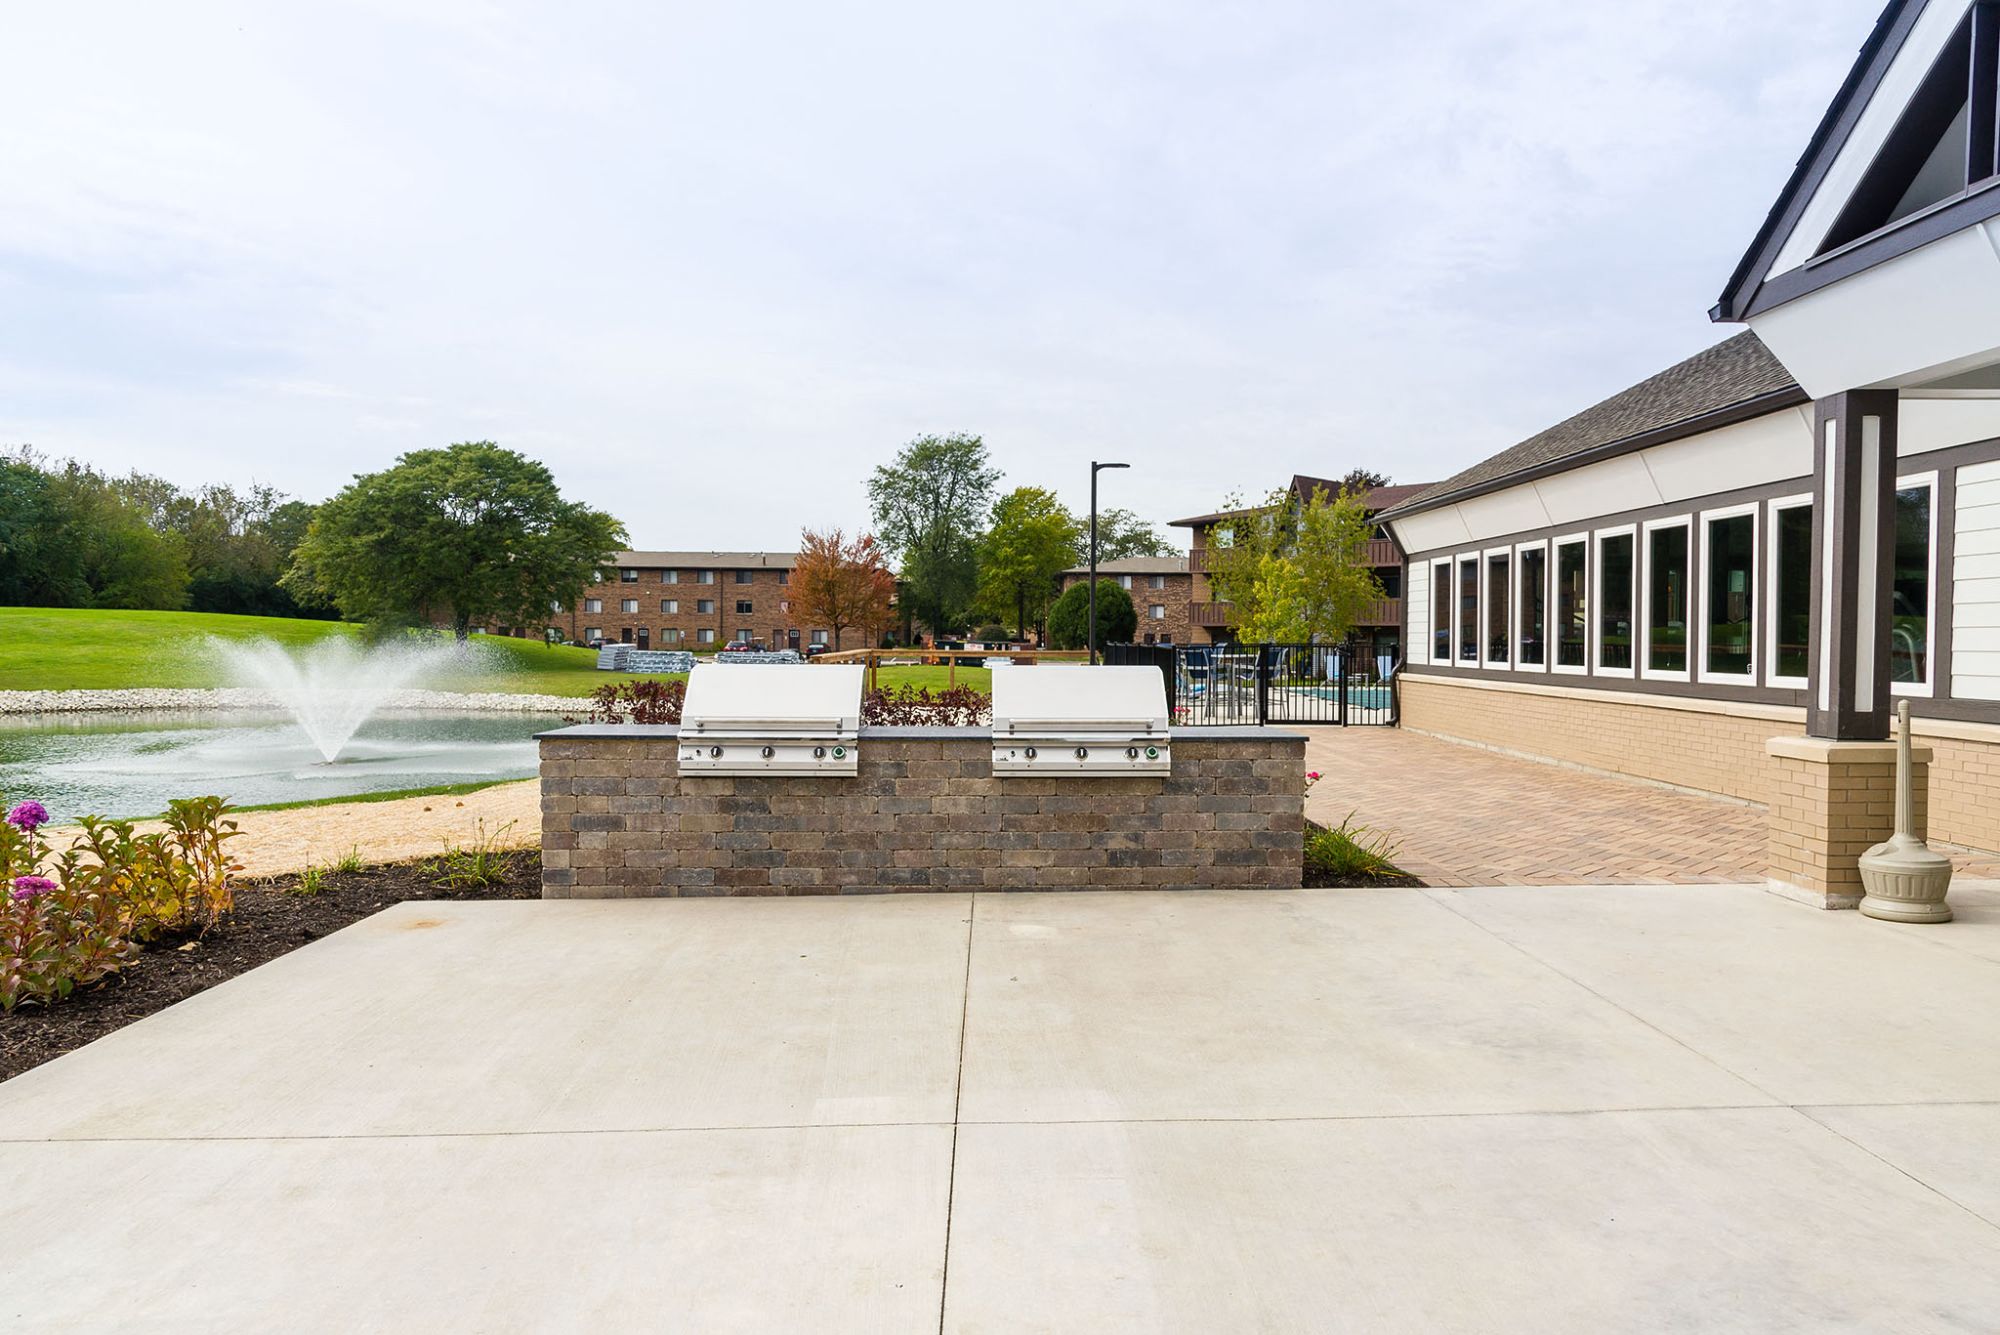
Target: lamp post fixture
1095,468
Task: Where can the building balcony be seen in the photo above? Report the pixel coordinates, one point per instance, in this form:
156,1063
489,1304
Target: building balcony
1209,615
1382,552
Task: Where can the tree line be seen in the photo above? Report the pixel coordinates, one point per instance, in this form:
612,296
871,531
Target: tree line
972,555
71,536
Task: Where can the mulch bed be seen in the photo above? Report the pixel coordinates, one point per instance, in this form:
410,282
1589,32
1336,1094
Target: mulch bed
268,922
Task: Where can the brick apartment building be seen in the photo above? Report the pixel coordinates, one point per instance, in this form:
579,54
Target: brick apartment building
1162,594
695,600
1380,629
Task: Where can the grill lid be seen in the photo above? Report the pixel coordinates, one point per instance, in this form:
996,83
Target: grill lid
778,718
1080,720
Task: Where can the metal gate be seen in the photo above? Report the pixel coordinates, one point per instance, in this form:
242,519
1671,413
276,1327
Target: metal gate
1221,685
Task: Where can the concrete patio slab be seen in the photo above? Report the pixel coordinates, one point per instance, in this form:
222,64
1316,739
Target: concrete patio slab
1809,1006
1340,1003
532,1016
1752,1220
1540,1110
591,1232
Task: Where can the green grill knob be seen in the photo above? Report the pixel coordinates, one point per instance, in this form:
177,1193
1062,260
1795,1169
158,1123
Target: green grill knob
839,752
1152,753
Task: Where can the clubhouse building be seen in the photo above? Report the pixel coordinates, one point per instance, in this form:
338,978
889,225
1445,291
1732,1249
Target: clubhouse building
1724,577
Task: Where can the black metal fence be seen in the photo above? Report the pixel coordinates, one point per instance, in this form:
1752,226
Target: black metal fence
1217,685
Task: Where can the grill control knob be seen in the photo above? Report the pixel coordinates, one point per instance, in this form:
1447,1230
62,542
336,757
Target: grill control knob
819,753
839,752
1131,753
715,753
769,752
1152,753
1083,753
1029,753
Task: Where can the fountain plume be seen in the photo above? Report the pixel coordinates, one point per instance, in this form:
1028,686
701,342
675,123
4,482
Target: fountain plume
334,685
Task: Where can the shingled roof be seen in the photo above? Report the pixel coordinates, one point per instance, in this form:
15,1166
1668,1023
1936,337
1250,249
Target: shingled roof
1736,379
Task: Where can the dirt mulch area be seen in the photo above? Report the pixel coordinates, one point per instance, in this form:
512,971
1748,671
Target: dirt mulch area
270,920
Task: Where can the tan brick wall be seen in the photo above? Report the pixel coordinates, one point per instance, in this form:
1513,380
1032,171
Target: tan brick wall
618,820
1709,752
1830,803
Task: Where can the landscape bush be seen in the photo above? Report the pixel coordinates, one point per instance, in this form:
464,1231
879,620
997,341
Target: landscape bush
72,918
648,701
1069,618
1350,852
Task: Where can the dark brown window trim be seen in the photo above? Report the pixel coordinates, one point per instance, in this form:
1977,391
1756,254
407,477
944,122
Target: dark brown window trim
1967,210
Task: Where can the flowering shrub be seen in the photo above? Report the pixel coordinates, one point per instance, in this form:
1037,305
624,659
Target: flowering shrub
70,919
919,707
648,700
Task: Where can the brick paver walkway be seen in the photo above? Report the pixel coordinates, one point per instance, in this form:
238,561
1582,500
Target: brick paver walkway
1466,816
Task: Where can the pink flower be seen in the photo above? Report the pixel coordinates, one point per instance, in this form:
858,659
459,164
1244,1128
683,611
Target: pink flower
28,887
1312,774
28,816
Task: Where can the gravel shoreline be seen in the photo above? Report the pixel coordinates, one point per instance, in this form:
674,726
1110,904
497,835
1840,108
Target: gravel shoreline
236,697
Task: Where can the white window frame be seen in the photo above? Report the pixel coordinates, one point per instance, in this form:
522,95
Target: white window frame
1922,690
1704,519
1448,566
1643,589
1458,609
1486,608
1556,544
1598,538
1520,605
1804,500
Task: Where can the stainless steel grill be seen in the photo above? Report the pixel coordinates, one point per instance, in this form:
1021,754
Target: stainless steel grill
771,719
1080,720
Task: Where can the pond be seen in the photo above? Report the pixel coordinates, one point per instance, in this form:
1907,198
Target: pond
130,764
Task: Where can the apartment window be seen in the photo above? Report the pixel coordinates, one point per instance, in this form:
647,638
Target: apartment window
628,577
743,637
743,607
704,577
592,634
1572,605
743,577
784,577
1391,580
1158,611
706,635
1667,598
819,637
1468,610
1125,582
593,604
1791,591
670,607
704,606
629,606
1531,648
670,635
1615,553
1157,582
1441,612
1911,588
1729,613
670,577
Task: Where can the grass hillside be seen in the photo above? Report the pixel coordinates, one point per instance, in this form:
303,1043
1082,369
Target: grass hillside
63,648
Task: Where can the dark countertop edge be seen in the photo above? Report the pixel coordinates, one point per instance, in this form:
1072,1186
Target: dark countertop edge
630,731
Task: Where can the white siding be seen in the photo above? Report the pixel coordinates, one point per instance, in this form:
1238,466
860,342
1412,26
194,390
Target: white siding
1975,585
1417,603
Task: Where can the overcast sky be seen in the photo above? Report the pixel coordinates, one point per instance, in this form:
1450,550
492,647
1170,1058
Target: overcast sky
713,262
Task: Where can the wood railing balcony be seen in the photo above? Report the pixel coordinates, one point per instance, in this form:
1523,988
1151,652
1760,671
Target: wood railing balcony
1382,552
1209,614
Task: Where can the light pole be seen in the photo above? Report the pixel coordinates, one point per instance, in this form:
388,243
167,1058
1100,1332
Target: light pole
1095,468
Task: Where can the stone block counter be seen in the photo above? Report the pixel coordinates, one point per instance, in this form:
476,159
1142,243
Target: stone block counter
925,812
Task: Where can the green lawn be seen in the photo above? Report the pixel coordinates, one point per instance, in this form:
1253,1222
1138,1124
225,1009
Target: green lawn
60,649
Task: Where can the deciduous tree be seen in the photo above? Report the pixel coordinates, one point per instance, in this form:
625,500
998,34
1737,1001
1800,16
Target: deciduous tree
465,535
1294,570
929,508
1069,619
1032,540
1122,533
841,582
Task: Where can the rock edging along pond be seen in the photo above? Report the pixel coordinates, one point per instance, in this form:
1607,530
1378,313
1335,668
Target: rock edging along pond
240,697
